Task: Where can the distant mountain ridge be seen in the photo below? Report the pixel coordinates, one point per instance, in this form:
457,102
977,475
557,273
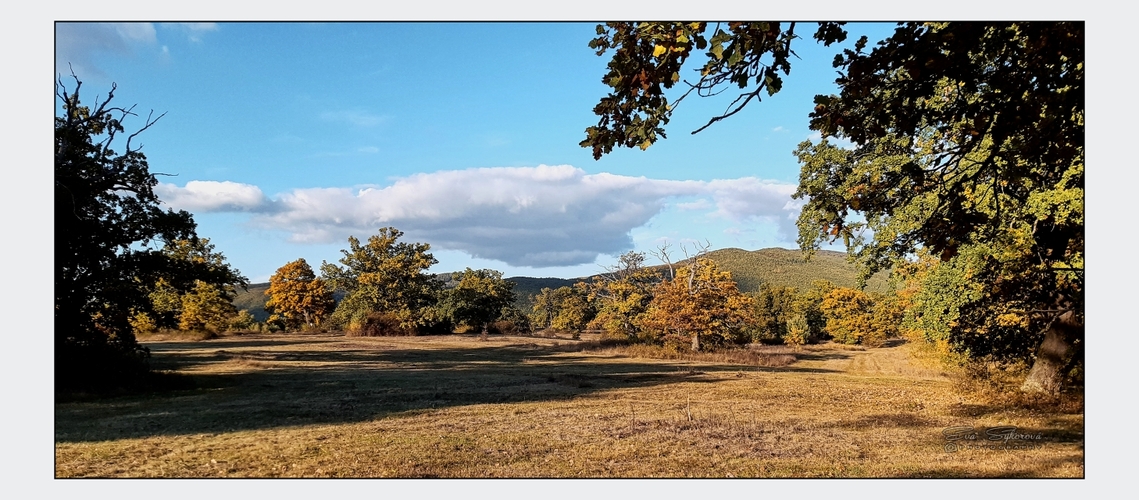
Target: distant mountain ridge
750,268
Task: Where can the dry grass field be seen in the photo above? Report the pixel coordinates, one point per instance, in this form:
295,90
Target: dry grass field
456,406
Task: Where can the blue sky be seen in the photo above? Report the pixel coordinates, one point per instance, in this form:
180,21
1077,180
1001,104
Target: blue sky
286,138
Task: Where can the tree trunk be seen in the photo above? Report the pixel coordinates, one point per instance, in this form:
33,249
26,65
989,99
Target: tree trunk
695,341
1053,356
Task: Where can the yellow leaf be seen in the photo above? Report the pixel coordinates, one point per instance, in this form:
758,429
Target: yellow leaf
658,50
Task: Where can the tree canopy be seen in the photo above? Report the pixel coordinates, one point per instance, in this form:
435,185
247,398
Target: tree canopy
384,275
700,305
479,297
297,297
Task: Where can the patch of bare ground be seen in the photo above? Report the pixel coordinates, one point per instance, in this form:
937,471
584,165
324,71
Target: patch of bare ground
456,406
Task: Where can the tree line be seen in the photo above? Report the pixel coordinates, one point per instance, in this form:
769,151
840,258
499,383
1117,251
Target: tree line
387,289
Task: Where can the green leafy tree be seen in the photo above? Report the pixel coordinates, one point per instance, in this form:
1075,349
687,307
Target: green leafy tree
297,297
564,308
648,58
190,261
798,331
480,297
545,307
979,159
574,310
244,320
774,306
809,305
968,138
106,219
383,276
166,304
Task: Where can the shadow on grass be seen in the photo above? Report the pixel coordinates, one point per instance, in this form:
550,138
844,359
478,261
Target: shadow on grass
354,382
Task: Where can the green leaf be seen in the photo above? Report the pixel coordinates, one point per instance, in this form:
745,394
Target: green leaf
735,58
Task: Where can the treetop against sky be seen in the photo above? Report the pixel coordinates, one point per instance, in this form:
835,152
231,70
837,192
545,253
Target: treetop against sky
283,139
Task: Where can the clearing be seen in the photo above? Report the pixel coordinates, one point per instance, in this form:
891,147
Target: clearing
455,406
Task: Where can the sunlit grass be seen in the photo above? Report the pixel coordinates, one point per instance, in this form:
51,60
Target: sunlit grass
457,406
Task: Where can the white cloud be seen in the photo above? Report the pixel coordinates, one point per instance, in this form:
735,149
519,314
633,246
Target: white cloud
77,44
817,136
193,31
523,216
354,117
701,204
80,44
213,196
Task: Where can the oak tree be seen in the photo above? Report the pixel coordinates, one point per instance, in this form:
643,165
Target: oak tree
701,305
967,139
206,307
107,218
297,297
849,315
622,294
383,275
480,297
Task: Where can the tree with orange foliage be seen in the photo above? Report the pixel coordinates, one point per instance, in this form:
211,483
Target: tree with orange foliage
701,302
297,297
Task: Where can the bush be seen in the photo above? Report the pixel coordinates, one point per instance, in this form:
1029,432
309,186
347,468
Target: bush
503,327
243,321
379,325
143,323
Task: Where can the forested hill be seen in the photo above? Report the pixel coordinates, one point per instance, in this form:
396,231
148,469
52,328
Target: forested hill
750,268
783,267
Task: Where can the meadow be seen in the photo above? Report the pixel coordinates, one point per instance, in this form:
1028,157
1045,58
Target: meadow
326,405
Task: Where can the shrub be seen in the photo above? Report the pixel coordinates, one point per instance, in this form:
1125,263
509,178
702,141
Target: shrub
243,321
143,323
379,325
503,327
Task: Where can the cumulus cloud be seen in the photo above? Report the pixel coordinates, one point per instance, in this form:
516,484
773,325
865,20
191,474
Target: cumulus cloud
213,196
523,216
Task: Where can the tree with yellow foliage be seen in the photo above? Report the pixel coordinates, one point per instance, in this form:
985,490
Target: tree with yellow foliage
206,307
297,297
622,294
849,316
